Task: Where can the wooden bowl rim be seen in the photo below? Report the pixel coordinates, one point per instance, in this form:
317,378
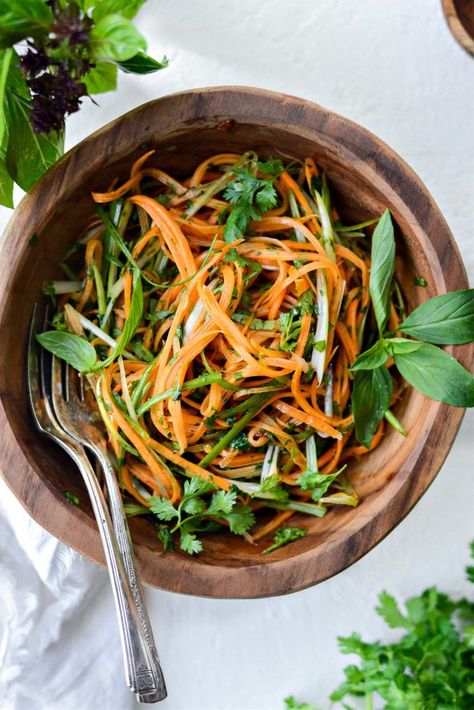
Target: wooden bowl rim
456,26
316,564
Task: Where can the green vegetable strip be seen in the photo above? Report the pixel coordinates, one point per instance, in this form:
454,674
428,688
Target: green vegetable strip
236,429
201,381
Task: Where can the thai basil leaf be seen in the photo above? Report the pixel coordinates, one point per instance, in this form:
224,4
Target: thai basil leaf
127,8
371,396
400,346
446,320
114,37
142,64
133,320
436,374
76,351
22,18
28,154
381,351
102,78
372,358
382,269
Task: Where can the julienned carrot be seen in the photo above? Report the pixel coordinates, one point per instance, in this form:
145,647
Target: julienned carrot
217,380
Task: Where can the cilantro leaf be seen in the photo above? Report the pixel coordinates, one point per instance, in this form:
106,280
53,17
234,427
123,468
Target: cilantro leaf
240,519
163,508
250,197
317,483
390,612
189,543
222,502
283,536
272,486
197,486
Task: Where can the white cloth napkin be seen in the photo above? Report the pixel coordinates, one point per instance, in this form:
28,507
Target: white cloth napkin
52,603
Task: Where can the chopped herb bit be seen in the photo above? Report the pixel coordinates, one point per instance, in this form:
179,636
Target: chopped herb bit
72,499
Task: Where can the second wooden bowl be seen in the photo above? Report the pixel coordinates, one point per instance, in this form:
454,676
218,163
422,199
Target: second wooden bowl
185,128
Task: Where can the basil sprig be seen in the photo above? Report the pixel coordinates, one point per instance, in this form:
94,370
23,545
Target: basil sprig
66,50
445,320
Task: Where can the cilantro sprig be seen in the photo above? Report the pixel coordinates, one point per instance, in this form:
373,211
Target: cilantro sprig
250,196
430,667
284,536
196,514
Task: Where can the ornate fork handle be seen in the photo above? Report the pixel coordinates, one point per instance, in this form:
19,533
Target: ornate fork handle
125,545
139,675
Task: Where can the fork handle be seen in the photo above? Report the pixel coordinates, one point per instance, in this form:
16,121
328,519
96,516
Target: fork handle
122,532
148,686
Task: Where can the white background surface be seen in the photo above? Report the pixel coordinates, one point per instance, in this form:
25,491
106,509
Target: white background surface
394,67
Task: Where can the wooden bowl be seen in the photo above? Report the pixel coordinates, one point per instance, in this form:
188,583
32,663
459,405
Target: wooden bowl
366,177
460,18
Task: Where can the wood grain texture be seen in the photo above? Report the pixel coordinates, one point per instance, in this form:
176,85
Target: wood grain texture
460,18
366,177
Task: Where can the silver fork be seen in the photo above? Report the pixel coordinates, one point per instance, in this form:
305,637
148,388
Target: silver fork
148,686
80,418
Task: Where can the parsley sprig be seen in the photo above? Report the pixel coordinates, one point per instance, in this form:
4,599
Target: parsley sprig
196,514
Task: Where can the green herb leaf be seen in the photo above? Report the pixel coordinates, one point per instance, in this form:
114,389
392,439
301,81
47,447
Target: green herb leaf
127,8
222,502
72,499
371,396
189,543
102,78
382,269
163,508
256,323
251,197
371,359
142,64
271,485
389,610
446,320
115,37
76,351
292,704
437,375
318,483
420,281
240,519
28,154
193,505
197,486
283,536
22,18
